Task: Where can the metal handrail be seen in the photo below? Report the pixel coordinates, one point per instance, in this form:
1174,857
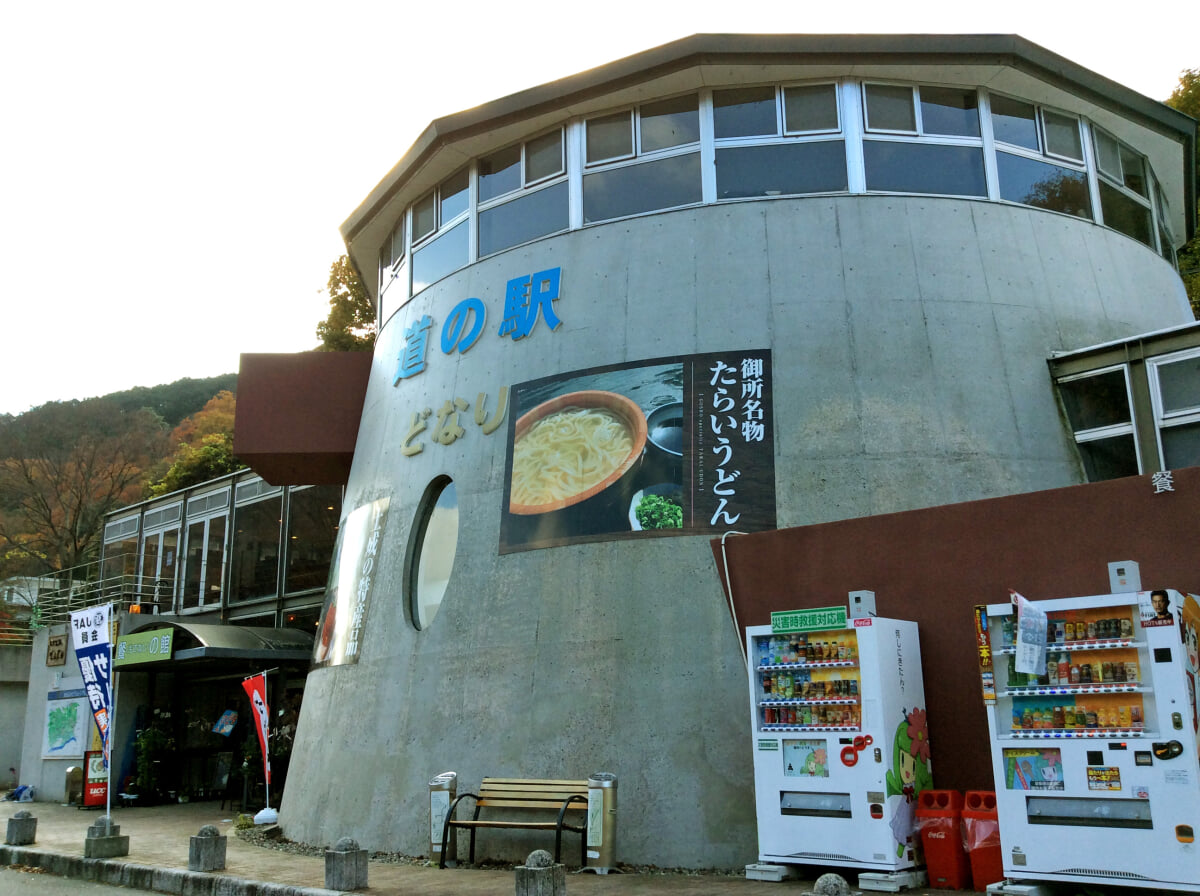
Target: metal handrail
77,588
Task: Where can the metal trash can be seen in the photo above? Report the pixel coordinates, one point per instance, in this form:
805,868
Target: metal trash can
602,823
442,791
74,786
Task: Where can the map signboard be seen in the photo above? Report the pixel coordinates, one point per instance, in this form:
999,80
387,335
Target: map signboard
65,728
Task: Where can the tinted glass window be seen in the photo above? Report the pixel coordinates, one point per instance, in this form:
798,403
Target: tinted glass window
1108,154
635,189
610,137
1014,122
1179,385
1181,446
424,216
431,554
1095,401
811,108
499,173
1062,135
543,157
1133,170
781,169
120,558
194,565
1110,458
924,168
890,108
1043,185
951,111
255,559
312,531
670,123
454,196
525,218
1123,213
440,257
745,112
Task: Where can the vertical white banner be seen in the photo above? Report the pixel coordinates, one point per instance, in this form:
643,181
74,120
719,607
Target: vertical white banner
91,635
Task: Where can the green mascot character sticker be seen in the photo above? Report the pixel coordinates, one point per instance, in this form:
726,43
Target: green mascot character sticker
909,775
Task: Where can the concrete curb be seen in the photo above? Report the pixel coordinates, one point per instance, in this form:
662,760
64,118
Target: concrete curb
175,881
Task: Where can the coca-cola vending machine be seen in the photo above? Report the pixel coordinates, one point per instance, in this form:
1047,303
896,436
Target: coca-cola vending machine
1092,717
841,744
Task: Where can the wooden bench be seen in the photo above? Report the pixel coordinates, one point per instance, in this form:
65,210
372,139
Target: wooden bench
556,795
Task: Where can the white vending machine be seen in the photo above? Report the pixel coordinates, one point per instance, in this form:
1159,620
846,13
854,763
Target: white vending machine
1094,751
841,744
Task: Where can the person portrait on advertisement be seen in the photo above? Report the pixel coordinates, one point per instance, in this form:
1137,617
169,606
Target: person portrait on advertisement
1160,606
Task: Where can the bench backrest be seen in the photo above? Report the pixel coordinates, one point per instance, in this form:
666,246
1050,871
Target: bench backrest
527,793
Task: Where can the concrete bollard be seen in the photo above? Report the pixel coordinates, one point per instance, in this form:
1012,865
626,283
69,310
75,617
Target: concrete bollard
539,876
104,840
346,866
22,829
206,851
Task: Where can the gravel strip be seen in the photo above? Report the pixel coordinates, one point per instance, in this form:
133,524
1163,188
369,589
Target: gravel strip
269,837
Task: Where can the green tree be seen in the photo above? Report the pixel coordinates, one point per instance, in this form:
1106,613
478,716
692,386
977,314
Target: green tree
203,446
63,466
174,401
211,457
350,326
1186,99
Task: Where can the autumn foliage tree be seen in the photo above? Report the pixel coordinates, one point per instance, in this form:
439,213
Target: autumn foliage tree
1186,99
202,446
350,326
63,466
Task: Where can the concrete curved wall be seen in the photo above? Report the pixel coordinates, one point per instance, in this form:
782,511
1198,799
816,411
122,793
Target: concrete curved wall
909,339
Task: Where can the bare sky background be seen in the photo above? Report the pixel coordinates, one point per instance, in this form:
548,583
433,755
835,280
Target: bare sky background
172,176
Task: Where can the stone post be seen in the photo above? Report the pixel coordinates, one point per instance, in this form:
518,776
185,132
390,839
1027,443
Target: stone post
22,829
539,876
104,840
206,851
346,866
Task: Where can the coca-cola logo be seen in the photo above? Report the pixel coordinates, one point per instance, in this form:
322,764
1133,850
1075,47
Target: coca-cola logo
864,622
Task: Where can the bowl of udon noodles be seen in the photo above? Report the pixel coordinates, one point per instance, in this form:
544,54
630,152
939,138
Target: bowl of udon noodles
572,448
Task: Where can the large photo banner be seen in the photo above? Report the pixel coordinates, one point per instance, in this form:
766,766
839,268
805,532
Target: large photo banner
351,579
668,446
91,635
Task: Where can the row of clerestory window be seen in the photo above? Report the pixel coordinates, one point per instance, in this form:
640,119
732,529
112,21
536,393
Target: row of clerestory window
770,141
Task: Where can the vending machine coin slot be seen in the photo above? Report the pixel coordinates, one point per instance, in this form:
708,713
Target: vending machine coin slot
1177,721
1169,750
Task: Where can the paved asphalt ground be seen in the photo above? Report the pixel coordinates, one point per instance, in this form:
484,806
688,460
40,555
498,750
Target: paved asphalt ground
159,837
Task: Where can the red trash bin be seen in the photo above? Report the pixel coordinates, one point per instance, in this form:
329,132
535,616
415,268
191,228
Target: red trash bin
939,817
981,838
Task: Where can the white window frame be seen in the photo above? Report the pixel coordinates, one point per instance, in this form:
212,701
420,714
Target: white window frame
1082,436
1164,419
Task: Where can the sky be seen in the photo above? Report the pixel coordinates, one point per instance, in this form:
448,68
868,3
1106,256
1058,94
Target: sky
173,175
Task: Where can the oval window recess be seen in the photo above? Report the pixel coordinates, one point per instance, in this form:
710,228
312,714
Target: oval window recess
432,548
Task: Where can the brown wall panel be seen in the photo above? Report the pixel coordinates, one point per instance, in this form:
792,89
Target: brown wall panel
933,566
298,415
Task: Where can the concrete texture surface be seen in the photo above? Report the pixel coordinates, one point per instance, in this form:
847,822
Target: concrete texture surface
158,859
908,340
